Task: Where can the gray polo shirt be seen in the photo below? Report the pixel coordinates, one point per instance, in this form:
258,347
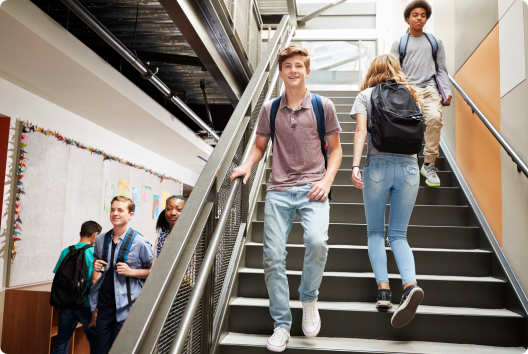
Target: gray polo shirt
418,64
297,156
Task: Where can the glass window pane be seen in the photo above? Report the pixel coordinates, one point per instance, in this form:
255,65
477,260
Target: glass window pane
338,65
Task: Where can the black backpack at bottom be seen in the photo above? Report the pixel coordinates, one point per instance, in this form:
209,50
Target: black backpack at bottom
397,122
70,289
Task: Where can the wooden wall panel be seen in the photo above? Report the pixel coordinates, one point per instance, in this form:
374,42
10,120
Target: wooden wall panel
477,151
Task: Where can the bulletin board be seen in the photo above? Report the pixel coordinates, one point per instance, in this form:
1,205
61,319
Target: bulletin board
64,186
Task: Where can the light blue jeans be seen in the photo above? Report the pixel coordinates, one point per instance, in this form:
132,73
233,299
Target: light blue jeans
397,176
280,211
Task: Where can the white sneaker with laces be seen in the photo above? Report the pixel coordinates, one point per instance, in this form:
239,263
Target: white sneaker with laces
311,324
278,340
430,174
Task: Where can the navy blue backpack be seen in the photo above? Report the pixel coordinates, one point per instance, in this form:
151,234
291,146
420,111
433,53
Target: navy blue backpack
317,105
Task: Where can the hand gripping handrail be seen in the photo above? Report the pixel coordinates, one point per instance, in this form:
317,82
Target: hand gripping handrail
209,258
145,71
150,313
521,166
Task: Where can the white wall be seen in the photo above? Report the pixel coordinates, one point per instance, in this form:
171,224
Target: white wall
16,102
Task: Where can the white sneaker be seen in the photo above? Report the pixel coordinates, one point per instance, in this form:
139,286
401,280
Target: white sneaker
311,324
430,174
278,340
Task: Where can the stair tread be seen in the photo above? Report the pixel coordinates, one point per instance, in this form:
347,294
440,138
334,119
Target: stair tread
391,276
370,307
351,186
420,205
426,226
354,247
367,345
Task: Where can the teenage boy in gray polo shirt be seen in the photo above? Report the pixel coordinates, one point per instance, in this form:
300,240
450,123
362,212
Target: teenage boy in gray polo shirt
298,185
419,67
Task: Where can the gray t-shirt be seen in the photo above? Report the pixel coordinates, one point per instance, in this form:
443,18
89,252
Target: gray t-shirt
418,64
363,105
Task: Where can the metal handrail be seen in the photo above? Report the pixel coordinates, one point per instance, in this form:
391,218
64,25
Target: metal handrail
521,166
146,72
209,258
148,316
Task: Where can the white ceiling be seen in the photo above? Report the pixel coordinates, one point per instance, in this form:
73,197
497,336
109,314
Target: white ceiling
43,58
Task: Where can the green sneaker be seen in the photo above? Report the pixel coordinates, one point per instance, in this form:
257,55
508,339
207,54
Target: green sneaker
431,177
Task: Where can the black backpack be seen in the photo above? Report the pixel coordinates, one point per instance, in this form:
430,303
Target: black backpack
397,123
70,289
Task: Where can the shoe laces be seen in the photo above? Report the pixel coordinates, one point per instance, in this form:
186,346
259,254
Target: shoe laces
431,170
406,294
384,295
309,311
279,333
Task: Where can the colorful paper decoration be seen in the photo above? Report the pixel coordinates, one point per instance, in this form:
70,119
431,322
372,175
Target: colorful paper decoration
155,206
18,204
110,193
164,196
123,188
136,198
29,127
146,195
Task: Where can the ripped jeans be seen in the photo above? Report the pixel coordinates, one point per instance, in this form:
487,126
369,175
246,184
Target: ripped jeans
397,176
279,212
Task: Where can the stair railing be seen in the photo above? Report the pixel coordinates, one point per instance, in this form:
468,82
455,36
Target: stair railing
185,290
521,166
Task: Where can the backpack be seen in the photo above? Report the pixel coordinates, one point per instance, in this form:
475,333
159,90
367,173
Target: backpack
397,123
318,108
122,256
434,46
70,288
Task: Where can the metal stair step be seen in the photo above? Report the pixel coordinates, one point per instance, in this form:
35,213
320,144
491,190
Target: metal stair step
452,291
494,327
448,237
336,93
343,100
343,177
344,117
240,343
348,149
437,215
426,195
344,108
348,127
347,258
346,162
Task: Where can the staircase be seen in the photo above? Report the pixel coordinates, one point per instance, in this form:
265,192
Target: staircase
466,293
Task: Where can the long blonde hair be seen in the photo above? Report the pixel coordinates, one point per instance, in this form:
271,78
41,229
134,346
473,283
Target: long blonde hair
387,67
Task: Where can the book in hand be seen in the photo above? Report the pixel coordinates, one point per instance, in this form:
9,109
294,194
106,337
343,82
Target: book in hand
441,90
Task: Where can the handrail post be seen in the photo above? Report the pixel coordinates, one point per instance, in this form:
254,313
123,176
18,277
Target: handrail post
208,295
203,275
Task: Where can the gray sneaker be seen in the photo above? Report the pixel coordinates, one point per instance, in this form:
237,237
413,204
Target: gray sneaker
429,172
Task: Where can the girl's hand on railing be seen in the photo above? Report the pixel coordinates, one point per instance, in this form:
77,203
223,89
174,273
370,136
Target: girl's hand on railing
356,178
242,170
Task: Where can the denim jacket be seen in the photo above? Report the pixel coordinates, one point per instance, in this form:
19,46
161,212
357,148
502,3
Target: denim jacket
139,257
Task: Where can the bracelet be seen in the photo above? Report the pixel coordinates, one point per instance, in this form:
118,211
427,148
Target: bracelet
354,167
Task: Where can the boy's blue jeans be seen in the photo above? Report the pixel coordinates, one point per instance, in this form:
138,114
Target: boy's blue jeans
397,176
68,320
280,211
